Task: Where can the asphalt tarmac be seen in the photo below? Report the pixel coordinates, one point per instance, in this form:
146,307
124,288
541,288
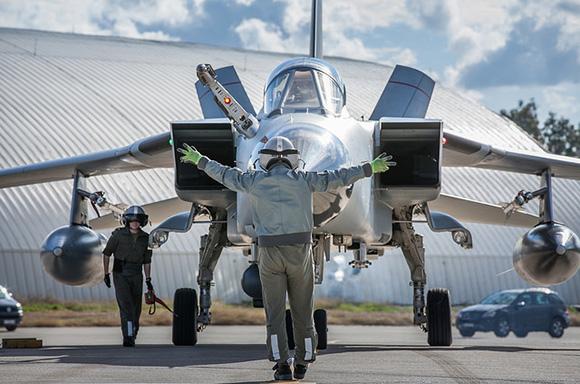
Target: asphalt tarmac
235,354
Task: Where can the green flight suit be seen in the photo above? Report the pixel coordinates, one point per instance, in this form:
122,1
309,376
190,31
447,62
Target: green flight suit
288,268
130,253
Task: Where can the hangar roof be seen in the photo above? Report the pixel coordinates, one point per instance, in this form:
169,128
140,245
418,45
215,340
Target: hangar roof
65,94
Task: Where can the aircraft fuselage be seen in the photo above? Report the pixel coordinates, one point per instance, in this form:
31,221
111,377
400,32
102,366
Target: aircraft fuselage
325,143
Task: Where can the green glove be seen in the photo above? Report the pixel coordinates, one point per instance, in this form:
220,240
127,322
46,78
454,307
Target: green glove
190,154
382,163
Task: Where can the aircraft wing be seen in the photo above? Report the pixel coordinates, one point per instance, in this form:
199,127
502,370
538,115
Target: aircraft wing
461,151
151,152
473,211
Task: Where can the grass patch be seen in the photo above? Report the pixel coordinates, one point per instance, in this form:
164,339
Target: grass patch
48,306
52,313
371,308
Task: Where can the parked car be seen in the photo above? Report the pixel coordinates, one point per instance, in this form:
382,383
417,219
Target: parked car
517,310
10,310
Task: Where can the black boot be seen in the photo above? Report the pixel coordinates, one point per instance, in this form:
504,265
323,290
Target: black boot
300,371
282,371
128,342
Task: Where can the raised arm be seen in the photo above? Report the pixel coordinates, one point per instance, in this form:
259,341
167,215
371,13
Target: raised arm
233,178
330,180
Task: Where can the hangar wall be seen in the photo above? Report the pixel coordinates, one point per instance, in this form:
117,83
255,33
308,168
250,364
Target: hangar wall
65,94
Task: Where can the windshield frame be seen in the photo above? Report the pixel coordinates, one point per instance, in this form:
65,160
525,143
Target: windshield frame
322,107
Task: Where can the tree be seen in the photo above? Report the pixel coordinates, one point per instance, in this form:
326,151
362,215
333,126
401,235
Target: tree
561,136
557,134
526,116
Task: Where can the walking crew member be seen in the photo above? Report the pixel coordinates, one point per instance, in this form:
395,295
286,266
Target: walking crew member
129,246
281,198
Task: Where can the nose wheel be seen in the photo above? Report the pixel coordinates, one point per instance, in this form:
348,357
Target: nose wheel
438,318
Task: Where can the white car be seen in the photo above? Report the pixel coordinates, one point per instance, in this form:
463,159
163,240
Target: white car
10,310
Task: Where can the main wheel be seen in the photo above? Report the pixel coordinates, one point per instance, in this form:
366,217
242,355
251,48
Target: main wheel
320,325
502,327
556,327
185,317
11,328
520,333
438,317
289,330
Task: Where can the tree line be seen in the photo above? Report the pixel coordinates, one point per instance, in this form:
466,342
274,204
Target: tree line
557,134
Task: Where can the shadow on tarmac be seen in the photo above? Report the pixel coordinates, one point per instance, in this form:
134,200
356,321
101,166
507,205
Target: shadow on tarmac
206,354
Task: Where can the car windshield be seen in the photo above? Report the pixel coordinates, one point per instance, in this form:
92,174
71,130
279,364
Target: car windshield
500,298
3,294
303,90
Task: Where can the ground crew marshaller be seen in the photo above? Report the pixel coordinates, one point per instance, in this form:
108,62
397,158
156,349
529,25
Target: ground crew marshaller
281,198
130,247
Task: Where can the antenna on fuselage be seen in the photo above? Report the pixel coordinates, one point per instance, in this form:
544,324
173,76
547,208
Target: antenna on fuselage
316,30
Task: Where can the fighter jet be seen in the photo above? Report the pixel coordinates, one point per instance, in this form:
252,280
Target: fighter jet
305,100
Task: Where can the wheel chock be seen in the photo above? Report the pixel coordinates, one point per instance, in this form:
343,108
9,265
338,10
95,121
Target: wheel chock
21,343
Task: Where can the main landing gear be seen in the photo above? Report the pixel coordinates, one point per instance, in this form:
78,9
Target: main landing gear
188,319
435,317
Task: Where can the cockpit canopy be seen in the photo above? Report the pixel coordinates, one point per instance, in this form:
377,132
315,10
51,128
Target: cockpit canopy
304,85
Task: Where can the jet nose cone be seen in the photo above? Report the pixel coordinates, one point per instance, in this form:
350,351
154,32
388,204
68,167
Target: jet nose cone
319,149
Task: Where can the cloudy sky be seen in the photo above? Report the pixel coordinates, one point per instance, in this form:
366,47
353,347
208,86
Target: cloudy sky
496,51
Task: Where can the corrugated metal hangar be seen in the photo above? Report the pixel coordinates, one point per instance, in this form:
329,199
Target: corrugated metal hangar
63,95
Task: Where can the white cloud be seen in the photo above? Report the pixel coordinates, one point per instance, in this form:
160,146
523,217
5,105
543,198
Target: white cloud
259,35
246,3
562,98
343,20
474,29
564,15
101,17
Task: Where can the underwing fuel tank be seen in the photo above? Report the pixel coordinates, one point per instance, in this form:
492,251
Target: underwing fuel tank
548,254
72,254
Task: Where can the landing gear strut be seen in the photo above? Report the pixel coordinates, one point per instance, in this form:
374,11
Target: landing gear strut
412,246
211,246
436,318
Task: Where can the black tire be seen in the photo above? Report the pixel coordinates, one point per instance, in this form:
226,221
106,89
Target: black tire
290,330
466,332
502,327
185,317
556,327
521,333
439,318
11,328
320,324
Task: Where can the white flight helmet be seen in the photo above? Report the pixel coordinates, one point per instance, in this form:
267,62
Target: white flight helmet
279,150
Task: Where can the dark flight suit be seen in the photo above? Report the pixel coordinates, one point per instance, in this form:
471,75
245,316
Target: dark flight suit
130,253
